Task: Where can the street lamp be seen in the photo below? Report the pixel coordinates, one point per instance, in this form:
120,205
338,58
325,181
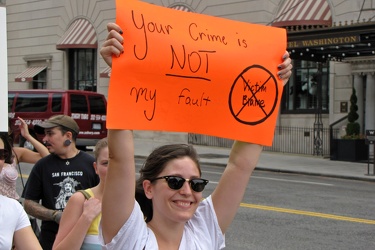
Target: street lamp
318,123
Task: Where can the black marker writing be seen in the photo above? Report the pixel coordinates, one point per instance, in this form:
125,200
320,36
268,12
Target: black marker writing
254,88
247,98
148,95
149,27
241,42
197,61
199,102
198,35
252,100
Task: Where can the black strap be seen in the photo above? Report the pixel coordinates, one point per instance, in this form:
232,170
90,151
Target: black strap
19,169
33,221
85,193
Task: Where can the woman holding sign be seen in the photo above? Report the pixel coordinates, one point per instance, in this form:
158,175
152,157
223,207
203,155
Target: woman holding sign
164,208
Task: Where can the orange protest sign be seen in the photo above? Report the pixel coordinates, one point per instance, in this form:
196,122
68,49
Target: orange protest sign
187,72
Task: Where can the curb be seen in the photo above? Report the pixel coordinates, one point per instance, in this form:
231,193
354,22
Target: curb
356,178
316,174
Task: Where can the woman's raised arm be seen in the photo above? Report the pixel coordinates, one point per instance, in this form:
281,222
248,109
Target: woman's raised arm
242,161
119,190
26,155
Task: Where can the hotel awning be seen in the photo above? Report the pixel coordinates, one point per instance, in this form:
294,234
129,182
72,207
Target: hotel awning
106,73
304,12
181,7
81,34
28,74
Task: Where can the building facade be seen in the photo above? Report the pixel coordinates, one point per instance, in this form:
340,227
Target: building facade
55,45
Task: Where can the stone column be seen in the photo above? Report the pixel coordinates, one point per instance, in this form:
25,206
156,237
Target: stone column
370,105
370,101
358,84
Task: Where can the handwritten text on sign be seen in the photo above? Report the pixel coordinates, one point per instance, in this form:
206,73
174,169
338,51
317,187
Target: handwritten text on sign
188,72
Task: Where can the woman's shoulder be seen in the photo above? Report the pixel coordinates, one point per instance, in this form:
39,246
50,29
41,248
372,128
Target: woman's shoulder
87,193
77,198
10,203
205,211
18,151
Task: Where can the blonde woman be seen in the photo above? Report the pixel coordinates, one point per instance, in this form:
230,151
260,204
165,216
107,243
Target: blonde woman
80,220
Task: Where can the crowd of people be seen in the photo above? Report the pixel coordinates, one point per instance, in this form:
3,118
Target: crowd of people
87,202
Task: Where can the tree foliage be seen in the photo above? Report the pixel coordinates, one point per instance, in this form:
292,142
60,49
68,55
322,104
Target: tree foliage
353,127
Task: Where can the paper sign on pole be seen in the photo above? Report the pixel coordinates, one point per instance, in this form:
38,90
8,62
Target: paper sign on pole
3,71
188,72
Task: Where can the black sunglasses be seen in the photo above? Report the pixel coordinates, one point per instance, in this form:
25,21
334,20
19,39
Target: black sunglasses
3,154
176,182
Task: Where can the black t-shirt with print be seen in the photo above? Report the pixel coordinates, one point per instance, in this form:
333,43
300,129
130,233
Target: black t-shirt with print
53,180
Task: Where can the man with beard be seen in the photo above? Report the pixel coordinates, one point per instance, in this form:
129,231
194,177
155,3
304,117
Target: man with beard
48,178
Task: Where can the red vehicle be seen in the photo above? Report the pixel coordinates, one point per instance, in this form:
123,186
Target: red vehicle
87,108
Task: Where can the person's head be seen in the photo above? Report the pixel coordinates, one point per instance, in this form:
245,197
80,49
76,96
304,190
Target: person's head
157,189
101,158
6,155
60,132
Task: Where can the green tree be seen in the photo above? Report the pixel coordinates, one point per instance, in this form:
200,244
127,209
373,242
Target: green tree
353,127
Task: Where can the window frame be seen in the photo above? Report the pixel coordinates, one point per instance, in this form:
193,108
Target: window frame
82,69
305,99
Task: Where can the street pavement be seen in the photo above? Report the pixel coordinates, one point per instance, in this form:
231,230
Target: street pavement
277,162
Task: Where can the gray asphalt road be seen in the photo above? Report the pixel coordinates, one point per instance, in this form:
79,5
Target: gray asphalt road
293,212
286,211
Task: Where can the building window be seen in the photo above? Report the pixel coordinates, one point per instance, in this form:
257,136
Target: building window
301,94
40,80
82,69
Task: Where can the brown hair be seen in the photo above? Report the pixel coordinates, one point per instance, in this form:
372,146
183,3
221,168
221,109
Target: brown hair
102,143
64,130
7,146
154,165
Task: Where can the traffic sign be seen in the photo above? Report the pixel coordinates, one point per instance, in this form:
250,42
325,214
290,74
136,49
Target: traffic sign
370,137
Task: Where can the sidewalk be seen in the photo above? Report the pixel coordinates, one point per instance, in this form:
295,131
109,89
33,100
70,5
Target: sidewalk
277,162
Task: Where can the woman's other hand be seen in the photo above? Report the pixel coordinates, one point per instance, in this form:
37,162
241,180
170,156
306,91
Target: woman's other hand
113,45
24,129
285,68
92,208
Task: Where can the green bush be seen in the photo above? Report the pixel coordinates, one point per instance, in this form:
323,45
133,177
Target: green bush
352,128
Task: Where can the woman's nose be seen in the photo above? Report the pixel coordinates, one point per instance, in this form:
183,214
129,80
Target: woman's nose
186,189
